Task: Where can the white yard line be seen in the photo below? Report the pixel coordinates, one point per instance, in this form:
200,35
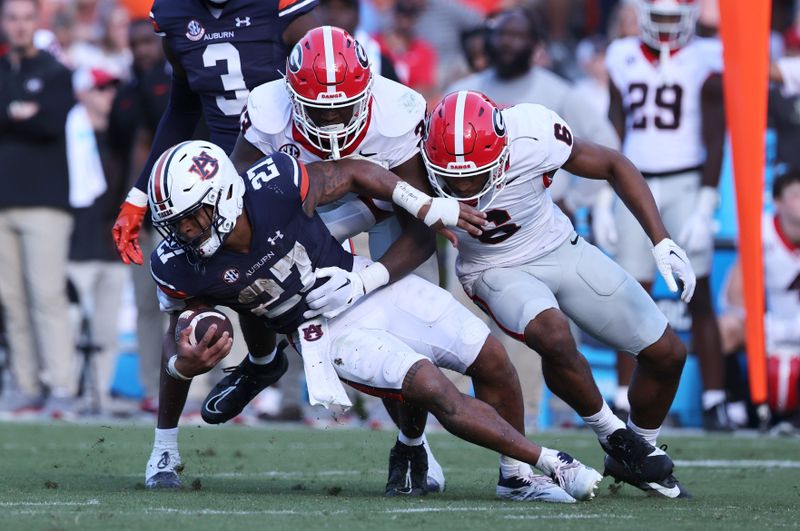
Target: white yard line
737,463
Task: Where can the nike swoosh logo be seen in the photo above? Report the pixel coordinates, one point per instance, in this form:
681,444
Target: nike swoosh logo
673,253
211,405
367,154
672,492
573,242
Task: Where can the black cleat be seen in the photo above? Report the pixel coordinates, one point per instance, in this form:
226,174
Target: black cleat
408,470
638,458
669,487
230,396
716,419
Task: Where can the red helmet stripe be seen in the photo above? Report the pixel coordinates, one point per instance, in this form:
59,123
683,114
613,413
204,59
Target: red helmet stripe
330,60
160,180
459,125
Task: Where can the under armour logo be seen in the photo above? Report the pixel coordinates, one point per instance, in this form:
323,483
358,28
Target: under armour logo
278,236
312,332
242,22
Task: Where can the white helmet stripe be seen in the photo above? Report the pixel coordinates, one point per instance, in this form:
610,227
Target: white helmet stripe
330,70
459,123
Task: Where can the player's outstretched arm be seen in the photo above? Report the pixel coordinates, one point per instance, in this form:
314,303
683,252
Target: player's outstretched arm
597,162
331,180
177,124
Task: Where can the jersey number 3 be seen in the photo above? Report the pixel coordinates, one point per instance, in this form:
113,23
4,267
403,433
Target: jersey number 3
232,80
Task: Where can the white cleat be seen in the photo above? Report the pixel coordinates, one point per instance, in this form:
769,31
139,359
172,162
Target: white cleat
579,480
163,468
531,488
435,481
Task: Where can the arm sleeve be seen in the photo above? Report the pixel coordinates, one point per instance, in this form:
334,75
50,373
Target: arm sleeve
176,125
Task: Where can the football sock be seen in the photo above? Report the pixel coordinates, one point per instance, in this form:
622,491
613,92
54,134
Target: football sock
168,437
712,397
510,467
621,398
649,435
604,422
410,441
263,360
547,459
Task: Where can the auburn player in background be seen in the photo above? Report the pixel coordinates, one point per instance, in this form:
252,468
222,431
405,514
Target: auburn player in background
219,50
667,106
529,270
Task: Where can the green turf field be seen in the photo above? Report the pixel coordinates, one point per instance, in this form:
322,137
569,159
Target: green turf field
90,477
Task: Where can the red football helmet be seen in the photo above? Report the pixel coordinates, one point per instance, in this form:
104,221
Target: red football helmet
465,136
329,69
667,22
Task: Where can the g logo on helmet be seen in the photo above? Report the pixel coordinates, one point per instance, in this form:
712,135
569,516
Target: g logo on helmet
361,54
498,122
296,58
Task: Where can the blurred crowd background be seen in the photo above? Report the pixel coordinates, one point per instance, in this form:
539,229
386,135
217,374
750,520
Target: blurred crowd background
100,356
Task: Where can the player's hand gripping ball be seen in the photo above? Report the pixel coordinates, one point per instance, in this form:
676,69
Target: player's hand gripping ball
200,320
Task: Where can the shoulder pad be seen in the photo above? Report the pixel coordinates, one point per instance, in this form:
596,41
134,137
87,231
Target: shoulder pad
397,109
269,108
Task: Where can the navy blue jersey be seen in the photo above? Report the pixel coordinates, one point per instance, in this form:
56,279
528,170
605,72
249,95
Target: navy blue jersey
225,57
287,246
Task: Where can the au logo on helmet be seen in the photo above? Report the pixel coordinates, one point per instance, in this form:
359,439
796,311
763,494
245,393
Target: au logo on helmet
204,165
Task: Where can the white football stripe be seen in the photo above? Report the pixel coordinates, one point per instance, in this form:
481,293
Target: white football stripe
459,123
330,71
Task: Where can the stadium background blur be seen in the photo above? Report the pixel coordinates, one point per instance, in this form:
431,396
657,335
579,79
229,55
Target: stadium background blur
432,44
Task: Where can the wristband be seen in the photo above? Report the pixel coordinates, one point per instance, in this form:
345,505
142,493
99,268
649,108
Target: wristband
443,209
172,371
409,198
374,276
136,197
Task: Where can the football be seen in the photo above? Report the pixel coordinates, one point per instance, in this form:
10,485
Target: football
200,320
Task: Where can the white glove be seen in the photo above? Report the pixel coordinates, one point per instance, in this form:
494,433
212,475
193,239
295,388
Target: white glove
698,232
343,289
670,260
604,226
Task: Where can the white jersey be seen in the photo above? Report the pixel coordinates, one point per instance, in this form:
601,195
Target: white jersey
524,223
391,136
663,126
781,270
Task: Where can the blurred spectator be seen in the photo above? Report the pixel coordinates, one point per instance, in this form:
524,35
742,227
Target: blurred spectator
110,53
414,58
441,22
35,222
624,20
94,269
511,78
473,46
593,85
781,249
345,14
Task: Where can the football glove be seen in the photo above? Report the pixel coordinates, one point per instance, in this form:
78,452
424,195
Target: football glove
672,260
698,232
343,289
127,226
